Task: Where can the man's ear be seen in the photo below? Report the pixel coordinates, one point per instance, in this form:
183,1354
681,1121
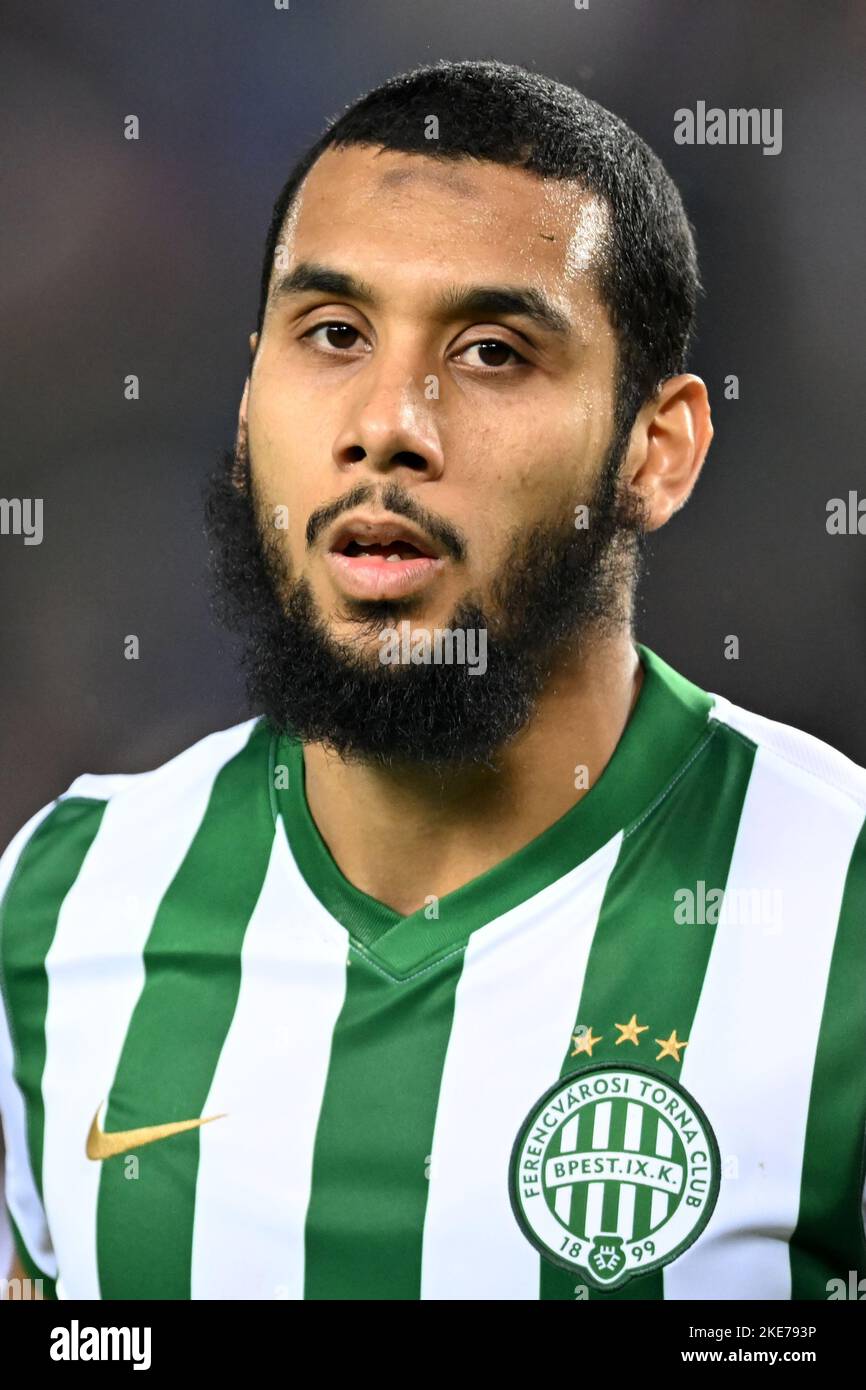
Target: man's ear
241,466
242,413
239,469
244,406
668,445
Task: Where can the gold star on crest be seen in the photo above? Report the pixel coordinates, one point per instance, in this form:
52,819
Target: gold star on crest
630,1030
584,1042
669,1047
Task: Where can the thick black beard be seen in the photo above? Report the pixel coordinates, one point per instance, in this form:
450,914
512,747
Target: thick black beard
559,588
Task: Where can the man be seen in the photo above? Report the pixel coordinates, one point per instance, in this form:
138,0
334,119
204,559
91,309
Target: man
495,960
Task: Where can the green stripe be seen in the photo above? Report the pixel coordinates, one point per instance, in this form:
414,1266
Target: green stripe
642,1212
828,1241
641,961
369,1192
610,1198
192,962
46,870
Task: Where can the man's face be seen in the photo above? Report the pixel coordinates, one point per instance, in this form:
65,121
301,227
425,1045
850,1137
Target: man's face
485,417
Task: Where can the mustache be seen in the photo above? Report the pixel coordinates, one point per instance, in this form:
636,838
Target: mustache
397,500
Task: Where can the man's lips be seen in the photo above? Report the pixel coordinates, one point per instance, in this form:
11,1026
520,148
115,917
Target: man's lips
361,530
381,557
372,576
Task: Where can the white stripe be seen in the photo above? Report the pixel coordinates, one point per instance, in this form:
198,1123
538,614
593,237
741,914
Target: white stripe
660,1201
568,1135
22,1194
594,1208
664,1139
5,1228
248,1238
659,1204
514,1015
750,1058
601,1125
633,1125
562,1203
96,974
625,1210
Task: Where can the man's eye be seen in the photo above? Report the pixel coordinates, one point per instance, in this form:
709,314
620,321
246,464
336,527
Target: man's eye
493,353
339,336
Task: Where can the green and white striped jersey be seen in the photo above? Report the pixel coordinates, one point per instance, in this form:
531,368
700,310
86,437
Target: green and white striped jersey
628,1062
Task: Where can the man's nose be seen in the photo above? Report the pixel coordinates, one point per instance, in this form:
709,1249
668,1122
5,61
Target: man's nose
391,421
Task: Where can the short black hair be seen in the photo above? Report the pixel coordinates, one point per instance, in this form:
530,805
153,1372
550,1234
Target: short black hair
648,279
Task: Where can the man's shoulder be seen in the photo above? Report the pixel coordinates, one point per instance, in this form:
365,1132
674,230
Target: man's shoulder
200,761
796,762
155,793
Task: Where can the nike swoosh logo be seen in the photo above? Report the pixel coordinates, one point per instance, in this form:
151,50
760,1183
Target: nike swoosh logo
101,1145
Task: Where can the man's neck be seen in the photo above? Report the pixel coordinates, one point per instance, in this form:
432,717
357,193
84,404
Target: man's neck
403,834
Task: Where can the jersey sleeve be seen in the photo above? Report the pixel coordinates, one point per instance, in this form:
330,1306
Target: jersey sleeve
22,1189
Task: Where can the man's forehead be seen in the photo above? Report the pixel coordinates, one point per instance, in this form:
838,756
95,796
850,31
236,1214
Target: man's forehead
419,169
558,221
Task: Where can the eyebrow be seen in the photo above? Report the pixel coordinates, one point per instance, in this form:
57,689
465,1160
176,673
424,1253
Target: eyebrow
456,302
307,275
522,300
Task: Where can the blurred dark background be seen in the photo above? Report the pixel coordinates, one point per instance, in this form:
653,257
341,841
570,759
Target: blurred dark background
143,257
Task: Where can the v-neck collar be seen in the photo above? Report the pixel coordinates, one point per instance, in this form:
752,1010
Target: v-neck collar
668,720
